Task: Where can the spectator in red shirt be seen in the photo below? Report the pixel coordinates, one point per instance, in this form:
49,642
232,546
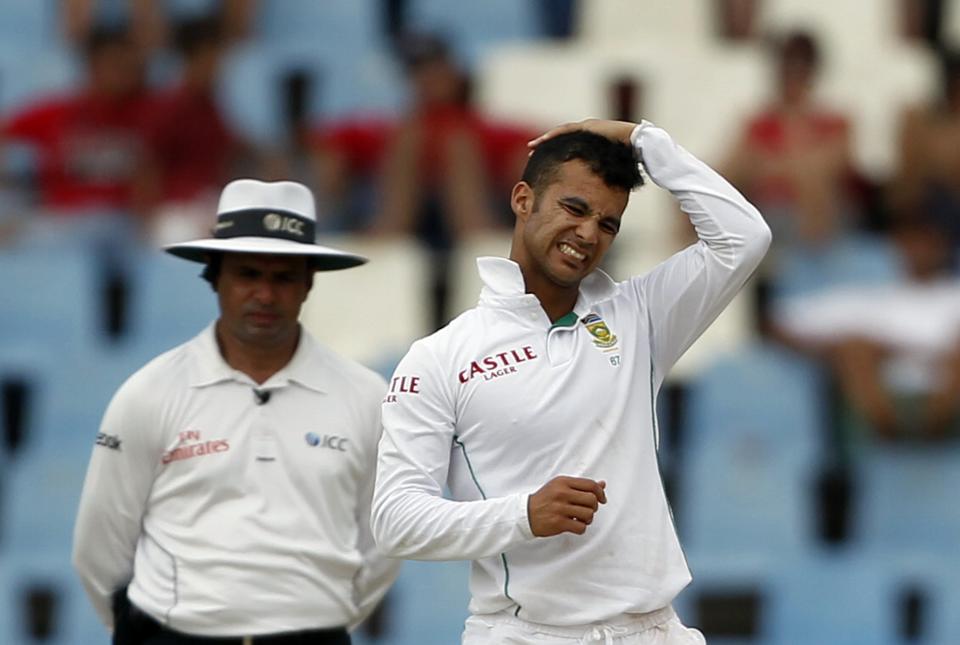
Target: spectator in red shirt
190,145
439,169
90,145
793,159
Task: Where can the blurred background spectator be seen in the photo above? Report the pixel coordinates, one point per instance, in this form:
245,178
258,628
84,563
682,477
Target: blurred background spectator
808,441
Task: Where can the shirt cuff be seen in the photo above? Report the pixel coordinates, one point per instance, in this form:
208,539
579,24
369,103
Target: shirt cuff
524,520
635,135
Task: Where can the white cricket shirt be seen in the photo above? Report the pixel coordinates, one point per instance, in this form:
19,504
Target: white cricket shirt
500,401
231,516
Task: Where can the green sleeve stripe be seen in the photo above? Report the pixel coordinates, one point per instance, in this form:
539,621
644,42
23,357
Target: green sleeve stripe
503,556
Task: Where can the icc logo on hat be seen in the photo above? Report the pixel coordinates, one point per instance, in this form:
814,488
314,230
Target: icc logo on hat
272,221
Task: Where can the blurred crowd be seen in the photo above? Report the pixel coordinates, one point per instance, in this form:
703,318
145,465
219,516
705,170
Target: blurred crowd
143,136
862,279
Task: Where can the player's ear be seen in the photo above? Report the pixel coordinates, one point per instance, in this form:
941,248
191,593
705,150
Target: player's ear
522,200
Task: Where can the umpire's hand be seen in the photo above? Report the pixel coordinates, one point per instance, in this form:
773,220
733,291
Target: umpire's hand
565,505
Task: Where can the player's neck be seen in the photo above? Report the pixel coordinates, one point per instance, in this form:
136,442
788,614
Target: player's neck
257,360
557,301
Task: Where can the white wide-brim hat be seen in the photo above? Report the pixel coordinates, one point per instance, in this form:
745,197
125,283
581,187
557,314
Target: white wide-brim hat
275,218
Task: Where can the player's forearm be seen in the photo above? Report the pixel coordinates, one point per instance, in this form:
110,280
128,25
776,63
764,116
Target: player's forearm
727,224
420,526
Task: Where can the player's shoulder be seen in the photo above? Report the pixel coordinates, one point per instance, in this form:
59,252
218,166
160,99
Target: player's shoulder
444,344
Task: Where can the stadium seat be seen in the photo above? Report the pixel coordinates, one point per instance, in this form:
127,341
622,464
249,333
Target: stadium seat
833,598
51,297
52,71
427,605
906,498
728,598
170,303
32,24
852,260
475,28
348,79
371,313
531,83
752,439
47,582
465,282
311,22
951,24
847,28
48,471
932,578
626,21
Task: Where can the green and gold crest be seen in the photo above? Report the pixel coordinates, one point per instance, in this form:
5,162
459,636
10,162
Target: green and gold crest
603,337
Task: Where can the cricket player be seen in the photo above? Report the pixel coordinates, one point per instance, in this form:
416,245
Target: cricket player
536,408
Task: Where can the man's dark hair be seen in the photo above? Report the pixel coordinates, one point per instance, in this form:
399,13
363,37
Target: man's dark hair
211,272
799,46
193,34
949,73
613,162
104,36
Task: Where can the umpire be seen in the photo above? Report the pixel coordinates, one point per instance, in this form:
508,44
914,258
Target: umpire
227,498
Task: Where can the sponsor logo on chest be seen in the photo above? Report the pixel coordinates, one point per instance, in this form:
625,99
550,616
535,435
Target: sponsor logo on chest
191,445
497,365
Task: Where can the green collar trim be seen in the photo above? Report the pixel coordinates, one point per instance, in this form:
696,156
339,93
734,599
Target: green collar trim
568,320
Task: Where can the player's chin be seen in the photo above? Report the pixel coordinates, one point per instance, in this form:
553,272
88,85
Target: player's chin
572,270
566,276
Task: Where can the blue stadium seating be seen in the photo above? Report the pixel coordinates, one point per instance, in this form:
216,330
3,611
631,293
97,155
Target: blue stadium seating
349,79
170,303
73,620
43,481
31,24
854,259
473,28
352,25
427,606
833,598
51,71
727,574
907,498
752,440
50,296
934,578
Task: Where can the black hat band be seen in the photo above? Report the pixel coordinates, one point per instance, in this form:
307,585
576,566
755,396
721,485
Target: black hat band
264,222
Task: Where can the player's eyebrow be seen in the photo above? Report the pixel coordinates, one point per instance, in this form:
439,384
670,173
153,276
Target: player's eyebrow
576,202
581,205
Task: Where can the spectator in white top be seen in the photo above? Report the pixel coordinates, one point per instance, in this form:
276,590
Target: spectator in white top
894,347
536,408
228,496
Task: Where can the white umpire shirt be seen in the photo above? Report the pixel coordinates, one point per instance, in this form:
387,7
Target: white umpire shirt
501,401
230,516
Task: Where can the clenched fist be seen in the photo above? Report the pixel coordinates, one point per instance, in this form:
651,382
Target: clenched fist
565,505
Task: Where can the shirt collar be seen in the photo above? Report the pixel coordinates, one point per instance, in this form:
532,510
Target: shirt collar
503,286
306,368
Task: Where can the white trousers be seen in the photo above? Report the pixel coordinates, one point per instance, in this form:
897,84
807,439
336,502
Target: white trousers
661,627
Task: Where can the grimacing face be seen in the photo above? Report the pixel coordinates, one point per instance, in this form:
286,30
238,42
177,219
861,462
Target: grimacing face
260,297
568,228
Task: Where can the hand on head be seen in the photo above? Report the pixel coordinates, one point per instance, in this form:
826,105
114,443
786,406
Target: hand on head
565,505
615,130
